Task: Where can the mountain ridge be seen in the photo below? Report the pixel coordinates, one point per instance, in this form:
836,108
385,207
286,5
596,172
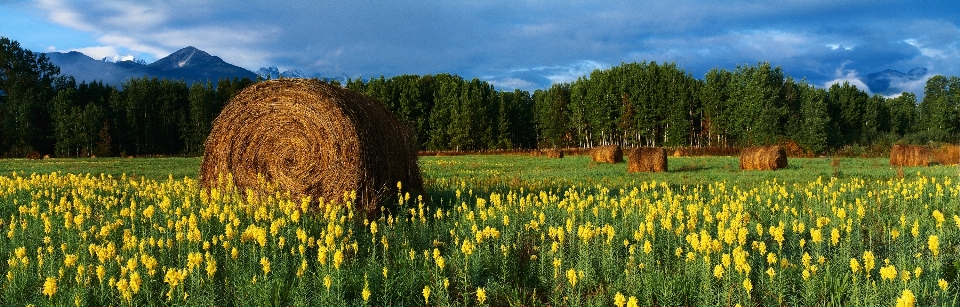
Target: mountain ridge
891,82
189,64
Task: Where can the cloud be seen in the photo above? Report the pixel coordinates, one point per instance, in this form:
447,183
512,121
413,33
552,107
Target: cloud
109,53
850,76
529,44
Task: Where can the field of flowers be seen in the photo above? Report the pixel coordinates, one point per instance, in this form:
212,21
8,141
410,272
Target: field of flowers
484,239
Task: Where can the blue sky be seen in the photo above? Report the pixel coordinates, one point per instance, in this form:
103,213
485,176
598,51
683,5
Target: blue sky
512,44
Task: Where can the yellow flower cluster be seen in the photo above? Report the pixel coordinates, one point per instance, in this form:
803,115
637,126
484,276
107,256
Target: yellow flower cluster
130,236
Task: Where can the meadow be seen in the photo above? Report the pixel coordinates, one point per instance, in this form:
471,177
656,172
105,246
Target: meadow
492,230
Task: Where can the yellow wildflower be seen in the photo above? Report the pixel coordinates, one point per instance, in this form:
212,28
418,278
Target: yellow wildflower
888,272
868,262
906,299
816,235
265,264
426,294
933,243
366,289
481,296
718,271
337,258
619,300
50,286
942,284
854,265
572,277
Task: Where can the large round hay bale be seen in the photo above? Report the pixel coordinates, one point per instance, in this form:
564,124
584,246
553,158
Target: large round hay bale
554,153
909,155
763,158
607,154
647,159
312,139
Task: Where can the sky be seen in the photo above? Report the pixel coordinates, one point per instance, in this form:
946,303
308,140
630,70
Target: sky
514,44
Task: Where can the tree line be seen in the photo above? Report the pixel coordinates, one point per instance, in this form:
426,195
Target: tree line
633,104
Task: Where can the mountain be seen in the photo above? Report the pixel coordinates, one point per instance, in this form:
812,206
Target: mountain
891,82
189,64
273,72
85,68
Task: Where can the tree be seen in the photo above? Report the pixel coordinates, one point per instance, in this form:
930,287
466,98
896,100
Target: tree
938,114
759,109
196,127
715,97
813,133
26,89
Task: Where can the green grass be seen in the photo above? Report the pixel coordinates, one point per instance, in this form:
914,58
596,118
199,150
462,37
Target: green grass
500,173
146,168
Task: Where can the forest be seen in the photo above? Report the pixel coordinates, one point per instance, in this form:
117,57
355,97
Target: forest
633,104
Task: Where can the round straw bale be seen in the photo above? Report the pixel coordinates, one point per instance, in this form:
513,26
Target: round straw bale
33,155
909,155
554,153
947,155
647,159
763,158
312,139
897,153
607,154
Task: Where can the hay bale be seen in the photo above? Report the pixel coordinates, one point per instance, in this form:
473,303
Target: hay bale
312,139
763,158
647,159
909,155
607,154
947,155
554,154
33,155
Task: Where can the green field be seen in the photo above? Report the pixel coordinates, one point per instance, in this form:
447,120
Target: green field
502,172
497,230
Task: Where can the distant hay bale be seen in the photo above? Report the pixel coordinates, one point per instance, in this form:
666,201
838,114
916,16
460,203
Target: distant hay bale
554,153
607,154
33,155
909,155
312,139
647,159
46,156
678,153
763,158
947,155
536,153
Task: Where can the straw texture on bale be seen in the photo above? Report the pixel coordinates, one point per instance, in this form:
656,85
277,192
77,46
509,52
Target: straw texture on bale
312,139
947,155
909,155
647,159
554,153
607,154
763,158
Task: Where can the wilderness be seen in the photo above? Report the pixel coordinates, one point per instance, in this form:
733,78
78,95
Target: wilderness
498,221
